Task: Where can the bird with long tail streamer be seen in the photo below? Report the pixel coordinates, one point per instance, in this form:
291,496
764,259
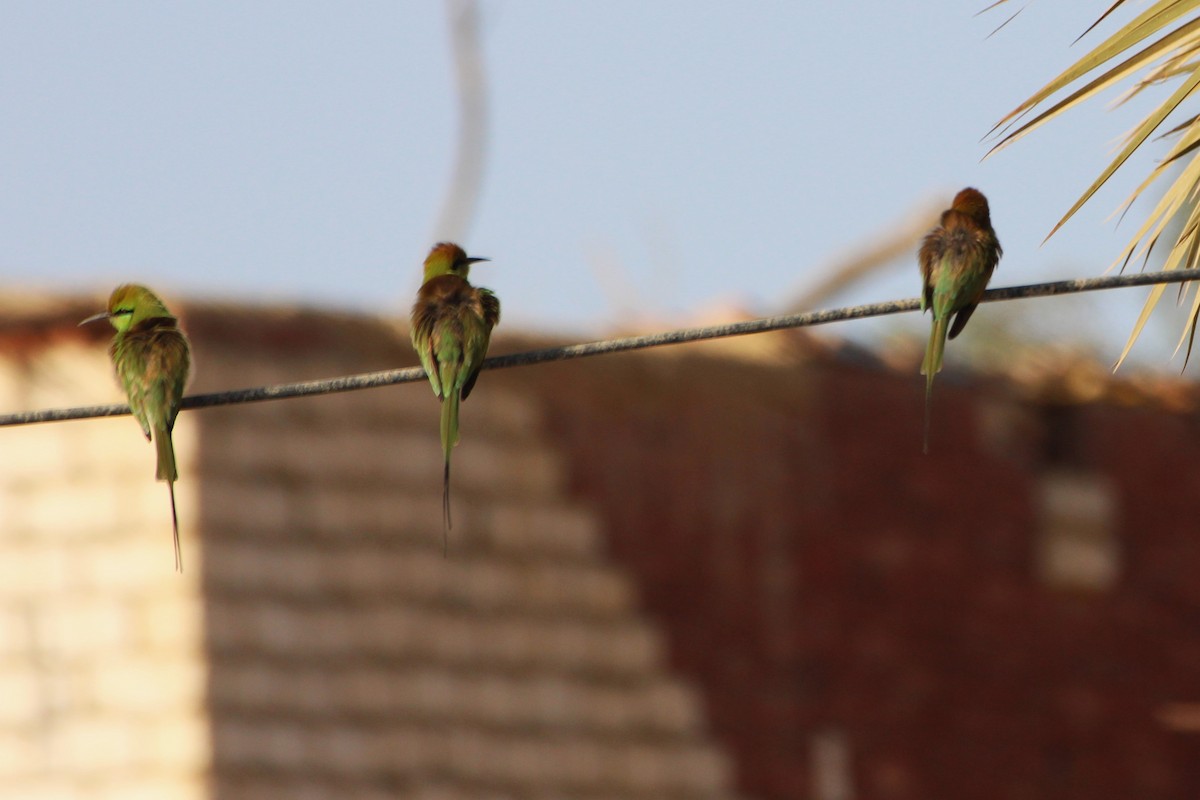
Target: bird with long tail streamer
452,323
957,259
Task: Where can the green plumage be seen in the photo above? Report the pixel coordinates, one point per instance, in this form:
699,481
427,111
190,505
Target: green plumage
957,259
452,324
152,360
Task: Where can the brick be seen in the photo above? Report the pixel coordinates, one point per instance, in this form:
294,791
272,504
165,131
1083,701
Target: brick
275,744
422,576
173,623
512,471
235,446
179,744
35,571
267,566
141,566
150,787
279,628
71,373
264,744
284,630
393,458
561,703
615,650
42,788
139,686
504,413
585,591
274,628
701,769
19,752
541,530
38,453
76,626
16,629
431,693
542,588
244,685
20,697
542,701
315,454
341,749
372,690
236,743
91,744
474,755
623,649
391,407
669,705
38,509
251,367
325,449
403,750
234,506
116,445
448,793
393,512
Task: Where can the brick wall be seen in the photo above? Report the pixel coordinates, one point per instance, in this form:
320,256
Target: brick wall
869,622
682,574
318,644
101,668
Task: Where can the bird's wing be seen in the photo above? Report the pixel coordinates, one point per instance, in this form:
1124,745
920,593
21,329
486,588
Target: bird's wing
932,249
424,330
479,338
170,361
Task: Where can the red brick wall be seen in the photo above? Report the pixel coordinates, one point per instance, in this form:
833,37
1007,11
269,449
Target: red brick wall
817,573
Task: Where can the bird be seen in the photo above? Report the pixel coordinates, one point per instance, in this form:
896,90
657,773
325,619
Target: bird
452,323
957,259
152,360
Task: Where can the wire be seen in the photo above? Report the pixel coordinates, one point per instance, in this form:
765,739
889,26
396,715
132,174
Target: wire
371,380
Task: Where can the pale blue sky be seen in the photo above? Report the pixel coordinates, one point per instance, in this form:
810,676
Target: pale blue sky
298,151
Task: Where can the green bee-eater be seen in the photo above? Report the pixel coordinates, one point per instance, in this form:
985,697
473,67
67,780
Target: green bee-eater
957,259
452,322
152,359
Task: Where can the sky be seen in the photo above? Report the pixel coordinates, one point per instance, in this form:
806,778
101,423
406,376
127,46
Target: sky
645,162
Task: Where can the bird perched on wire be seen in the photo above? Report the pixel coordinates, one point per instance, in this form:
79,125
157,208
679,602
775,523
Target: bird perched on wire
452,323
152,359
957,259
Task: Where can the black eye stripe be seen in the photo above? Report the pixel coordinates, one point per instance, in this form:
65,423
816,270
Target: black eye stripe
122,311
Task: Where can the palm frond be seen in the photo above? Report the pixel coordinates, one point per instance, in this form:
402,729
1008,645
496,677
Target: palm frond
1161,45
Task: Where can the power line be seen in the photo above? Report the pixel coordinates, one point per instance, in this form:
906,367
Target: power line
372,380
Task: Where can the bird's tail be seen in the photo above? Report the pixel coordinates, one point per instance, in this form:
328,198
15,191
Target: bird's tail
449,439
167,472
166,456
931,366
175,527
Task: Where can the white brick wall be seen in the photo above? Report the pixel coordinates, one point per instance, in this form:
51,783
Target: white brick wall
318,644
101,674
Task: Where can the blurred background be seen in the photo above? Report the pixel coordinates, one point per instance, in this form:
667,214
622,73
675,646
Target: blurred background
713,571
622,163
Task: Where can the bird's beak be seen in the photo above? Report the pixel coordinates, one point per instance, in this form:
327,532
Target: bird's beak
475,260
94,317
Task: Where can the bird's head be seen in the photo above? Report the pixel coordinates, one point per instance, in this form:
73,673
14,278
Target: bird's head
129,304
447,258
972,203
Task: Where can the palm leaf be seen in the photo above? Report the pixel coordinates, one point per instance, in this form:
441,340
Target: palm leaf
1107,79
1153,19
1160,45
